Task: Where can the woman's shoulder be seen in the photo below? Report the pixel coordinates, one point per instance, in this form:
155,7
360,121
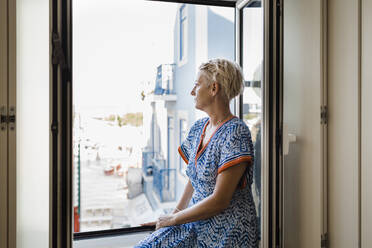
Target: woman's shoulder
238,124
236,128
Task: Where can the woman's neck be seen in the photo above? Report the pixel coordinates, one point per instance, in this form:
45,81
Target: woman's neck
218,118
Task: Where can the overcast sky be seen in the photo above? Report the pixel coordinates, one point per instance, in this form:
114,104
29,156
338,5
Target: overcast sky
117,45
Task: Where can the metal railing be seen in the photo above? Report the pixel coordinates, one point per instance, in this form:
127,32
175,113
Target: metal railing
164,183
164,179
165,79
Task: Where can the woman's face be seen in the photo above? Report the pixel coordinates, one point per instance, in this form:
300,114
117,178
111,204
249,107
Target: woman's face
201,91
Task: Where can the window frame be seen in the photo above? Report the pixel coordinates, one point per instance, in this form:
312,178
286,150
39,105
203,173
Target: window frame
61,228
68,37
183,26
272,107
170,145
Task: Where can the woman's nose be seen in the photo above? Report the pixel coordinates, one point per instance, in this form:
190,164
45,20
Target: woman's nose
193,91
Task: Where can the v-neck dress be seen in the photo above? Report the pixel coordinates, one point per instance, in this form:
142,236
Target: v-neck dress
235,226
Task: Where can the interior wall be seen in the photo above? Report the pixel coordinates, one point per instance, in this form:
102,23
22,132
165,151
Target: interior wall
343,124
302,169
32,123
366,132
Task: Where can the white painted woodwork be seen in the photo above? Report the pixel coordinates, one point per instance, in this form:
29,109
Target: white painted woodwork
343,125
302,212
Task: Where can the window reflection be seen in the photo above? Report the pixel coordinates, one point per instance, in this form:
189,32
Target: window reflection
252,96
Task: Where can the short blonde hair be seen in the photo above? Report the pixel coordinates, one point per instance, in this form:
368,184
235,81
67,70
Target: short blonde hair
228,74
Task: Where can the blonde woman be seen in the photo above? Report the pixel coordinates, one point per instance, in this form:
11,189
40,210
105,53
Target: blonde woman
216,208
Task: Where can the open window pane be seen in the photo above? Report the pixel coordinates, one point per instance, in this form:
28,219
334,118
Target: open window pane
252,51
134,65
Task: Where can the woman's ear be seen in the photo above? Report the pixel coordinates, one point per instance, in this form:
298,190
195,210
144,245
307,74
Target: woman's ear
215,88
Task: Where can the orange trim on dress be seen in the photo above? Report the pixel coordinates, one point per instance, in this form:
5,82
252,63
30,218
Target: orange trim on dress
200,142
202,135
235,162
244,183
182,155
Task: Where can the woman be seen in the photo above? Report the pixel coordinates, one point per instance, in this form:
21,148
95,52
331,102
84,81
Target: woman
219,155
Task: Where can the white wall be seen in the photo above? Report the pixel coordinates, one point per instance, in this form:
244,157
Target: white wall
32,123
350,101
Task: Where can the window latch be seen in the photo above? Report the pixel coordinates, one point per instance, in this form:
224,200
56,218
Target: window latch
58,54
323,115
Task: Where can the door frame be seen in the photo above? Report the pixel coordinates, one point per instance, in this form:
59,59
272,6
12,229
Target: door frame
8,193
3,132
324,121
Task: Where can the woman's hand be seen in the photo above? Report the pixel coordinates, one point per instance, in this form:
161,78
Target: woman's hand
148,224
163,221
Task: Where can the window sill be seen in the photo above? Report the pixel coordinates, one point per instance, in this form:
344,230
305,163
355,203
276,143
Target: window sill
119,241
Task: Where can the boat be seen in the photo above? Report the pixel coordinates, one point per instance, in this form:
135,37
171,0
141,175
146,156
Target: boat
109,170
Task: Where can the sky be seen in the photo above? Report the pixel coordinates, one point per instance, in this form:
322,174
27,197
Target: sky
117,45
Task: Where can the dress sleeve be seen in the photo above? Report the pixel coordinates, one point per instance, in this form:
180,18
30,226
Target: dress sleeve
186,146
236,148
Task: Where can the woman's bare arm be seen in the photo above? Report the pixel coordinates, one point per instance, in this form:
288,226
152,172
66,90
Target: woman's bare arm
186,196
226,184
182,204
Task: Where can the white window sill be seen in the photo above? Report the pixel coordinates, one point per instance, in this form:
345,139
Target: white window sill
122,241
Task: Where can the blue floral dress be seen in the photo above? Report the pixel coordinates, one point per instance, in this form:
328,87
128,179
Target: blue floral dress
236,226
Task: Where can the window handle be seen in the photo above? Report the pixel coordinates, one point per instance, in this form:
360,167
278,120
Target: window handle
287,139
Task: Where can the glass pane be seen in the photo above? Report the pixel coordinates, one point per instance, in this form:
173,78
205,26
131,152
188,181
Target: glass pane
132,103
252,98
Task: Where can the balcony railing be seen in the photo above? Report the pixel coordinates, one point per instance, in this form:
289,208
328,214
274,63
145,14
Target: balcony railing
165,80
163,179
164,91
165,184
